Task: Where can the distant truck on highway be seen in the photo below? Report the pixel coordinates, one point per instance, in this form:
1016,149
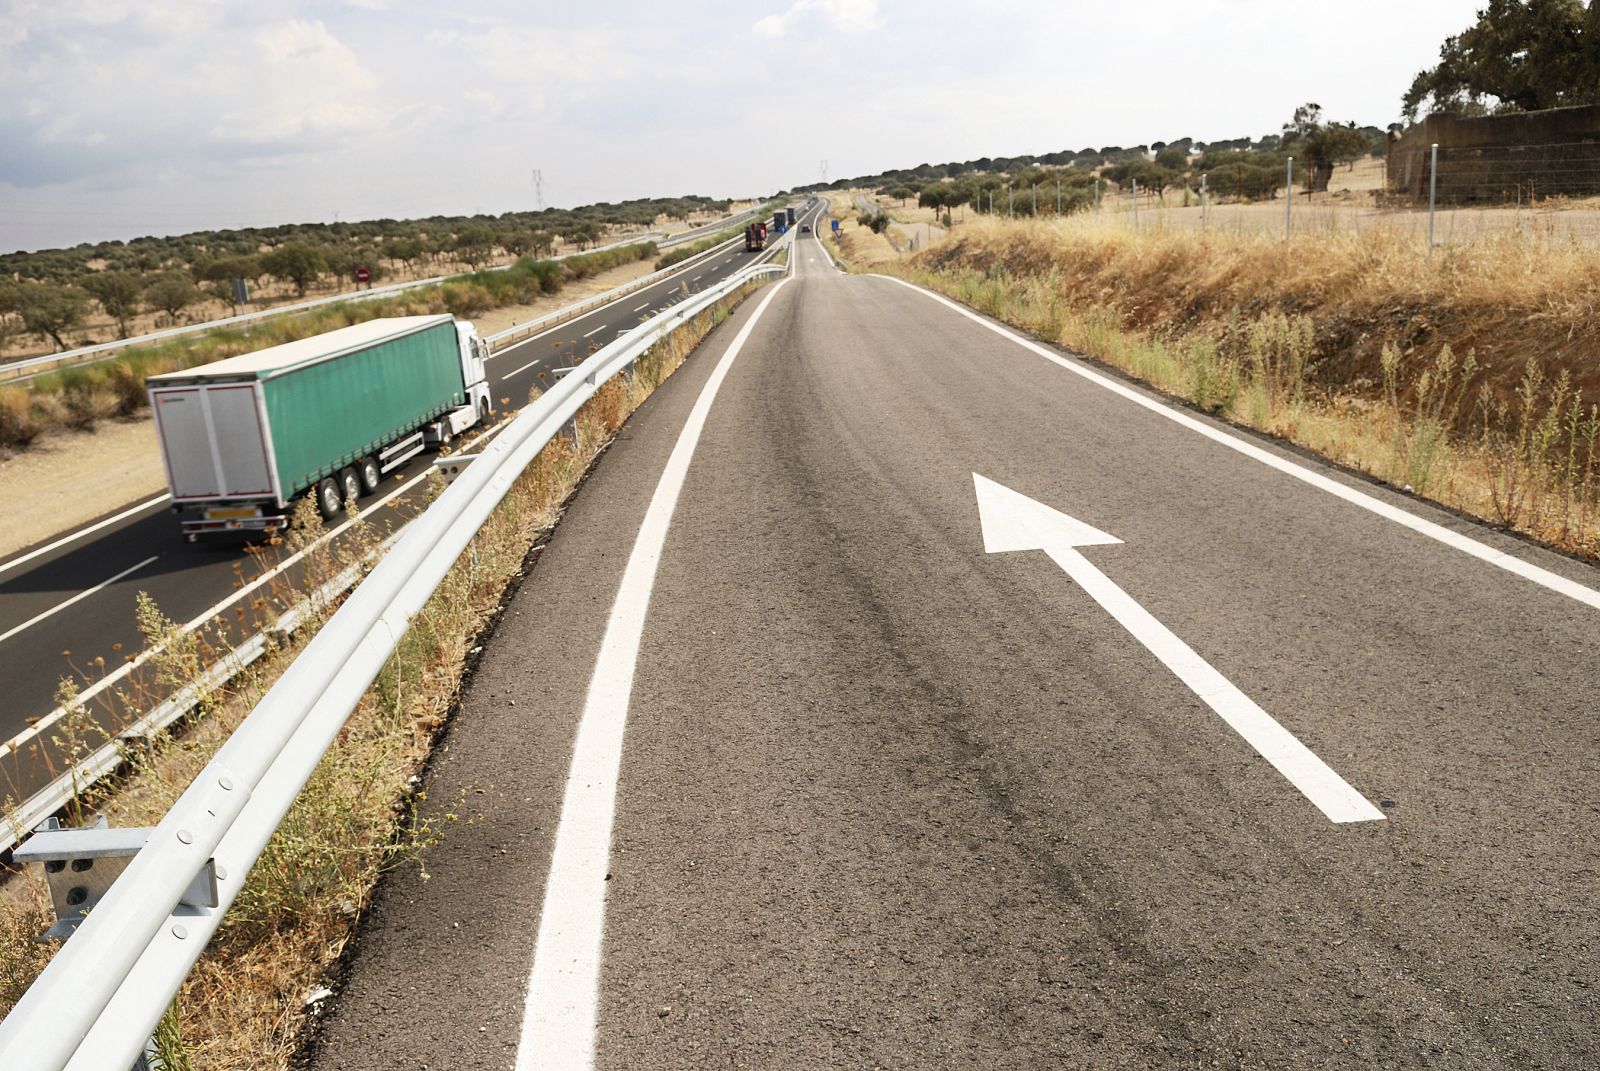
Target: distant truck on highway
790,213
755,237
780,222
326,416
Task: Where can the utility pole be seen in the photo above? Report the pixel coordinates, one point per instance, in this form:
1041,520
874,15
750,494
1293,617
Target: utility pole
1058,197
1203,201
538,189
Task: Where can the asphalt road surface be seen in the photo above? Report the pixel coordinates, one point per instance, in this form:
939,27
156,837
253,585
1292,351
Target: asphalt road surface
65,608
856,791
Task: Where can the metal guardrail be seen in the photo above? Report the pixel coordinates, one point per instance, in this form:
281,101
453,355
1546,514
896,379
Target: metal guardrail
99,999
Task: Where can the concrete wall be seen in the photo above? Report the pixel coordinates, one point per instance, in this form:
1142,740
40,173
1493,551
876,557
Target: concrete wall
1516,157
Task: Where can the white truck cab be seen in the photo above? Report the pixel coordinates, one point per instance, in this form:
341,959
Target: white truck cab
475,377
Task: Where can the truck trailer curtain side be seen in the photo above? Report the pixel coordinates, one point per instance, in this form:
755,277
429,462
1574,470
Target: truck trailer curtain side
244,436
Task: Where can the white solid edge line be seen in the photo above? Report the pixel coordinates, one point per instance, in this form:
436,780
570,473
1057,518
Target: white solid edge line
1466,544
79,597
559,1015
80,533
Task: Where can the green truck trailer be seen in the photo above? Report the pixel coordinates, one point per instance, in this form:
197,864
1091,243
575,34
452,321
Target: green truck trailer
327,416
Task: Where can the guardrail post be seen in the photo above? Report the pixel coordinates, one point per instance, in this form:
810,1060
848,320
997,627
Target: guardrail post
80,865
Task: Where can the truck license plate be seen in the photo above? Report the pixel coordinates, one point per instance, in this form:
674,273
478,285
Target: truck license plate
228,514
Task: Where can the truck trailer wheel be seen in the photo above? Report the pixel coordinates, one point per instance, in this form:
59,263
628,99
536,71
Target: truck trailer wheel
371,475
328,501
349,485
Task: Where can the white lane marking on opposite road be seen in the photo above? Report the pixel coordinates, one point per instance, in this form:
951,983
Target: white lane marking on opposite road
558,1019
596,331
636,308
80,533
1013,521
79,597
1466,544
519,371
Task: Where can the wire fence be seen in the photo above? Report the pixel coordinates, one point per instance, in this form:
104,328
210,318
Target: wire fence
1546,192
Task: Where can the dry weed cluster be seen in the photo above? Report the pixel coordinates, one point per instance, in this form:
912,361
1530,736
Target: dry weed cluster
1472,380
244,1005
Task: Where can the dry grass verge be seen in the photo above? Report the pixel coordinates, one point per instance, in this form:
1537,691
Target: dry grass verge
244,1005
1470,380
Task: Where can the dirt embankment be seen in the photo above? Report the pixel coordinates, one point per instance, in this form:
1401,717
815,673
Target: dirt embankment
75,476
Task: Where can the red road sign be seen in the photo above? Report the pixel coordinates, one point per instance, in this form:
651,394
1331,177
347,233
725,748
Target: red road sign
363,275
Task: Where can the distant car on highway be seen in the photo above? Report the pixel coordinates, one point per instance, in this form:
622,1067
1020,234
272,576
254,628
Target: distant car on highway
805,228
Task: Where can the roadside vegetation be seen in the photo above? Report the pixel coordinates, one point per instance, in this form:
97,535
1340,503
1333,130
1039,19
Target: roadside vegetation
245,1004
59,298
1469,380
81,396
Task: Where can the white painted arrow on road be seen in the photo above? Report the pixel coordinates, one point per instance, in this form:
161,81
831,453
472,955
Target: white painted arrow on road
1013,522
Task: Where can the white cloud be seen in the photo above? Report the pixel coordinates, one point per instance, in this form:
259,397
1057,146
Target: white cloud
851,16
112,89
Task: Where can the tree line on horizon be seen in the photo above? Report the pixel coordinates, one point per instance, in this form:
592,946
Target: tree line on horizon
1242,168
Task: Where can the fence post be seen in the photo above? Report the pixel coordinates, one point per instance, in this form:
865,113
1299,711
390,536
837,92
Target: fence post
1288,197
1433,191
1058,197
1034,193
1203,178
1135,205
1097,193
1011,202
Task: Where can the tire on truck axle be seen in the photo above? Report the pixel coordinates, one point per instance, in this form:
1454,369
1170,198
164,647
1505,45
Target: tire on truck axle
329,504
371,475
349,484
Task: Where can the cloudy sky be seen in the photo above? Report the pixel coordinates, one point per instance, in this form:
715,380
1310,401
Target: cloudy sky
131,117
